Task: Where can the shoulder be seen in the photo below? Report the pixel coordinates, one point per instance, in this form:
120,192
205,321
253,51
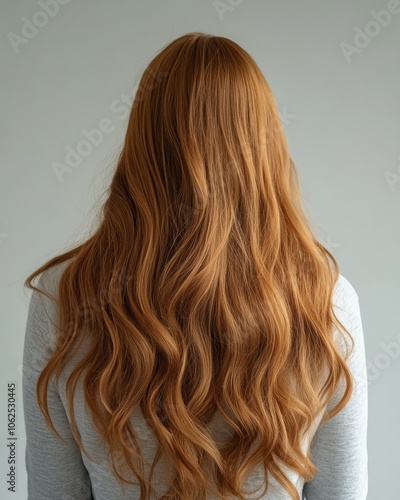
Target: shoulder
347,309
42,313
345,296
49,279
344,288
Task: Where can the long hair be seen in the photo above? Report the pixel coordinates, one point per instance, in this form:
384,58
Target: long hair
202,288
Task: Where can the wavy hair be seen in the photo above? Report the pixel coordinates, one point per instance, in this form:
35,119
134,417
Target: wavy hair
202,288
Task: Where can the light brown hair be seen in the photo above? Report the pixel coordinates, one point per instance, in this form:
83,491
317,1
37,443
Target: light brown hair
223,295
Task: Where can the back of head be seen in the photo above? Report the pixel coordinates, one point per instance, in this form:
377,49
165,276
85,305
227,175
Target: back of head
203,288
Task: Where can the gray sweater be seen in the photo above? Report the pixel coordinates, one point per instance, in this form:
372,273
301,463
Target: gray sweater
57,471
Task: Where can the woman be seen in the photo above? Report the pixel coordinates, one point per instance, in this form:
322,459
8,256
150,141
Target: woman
201,343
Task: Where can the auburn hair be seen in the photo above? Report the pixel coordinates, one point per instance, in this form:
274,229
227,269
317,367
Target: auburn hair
202,287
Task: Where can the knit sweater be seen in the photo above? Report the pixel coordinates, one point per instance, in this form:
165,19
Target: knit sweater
57,471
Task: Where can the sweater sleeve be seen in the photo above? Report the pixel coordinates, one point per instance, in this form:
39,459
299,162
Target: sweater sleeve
55,470
339,447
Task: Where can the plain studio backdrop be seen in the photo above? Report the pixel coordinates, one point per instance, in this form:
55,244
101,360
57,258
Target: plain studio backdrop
69,72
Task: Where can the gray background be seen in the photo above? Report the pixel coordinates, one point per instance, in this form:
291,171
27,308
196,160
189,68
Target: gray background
341,116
